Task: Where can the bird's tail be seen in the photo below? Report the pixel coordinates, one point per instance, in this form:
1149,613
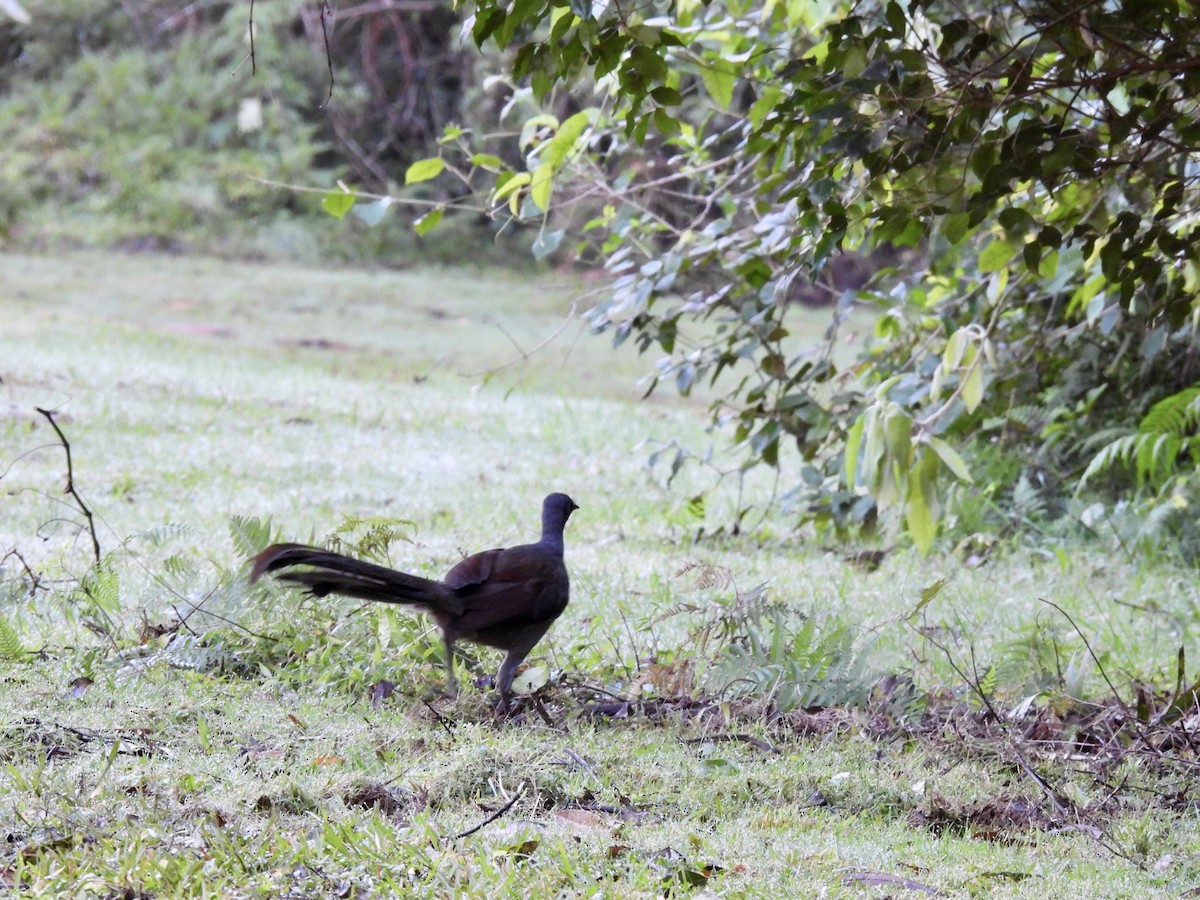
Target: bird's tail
333,573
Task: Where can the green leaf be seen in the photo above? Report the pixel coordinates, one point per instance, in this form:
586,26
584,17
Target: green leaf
666,96
718,79
510,189
918,510
667,124
853,443
556,150
546,243
424,170
955,227
429,221
928,593
554,154
488,161
956,346
873,450
898,435
996,256
540,186
338,203
647,63
972,392
951,459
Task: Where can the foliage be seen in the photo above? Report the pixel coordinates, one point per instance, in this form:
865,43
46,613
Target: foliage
813,665
10,641
1031,171
1166,434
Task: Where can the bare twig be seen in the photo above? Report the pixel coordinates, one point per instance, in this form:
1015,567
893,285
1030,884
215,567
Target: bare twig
972,683
524,354
541,711
441,720
574,760
35,581
327,13
637,657
1092,653
1047,789
253,59
492,818
87,513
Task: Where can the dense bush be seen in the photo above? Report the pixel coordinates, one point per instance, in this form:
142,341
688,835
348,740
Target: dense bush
1037,163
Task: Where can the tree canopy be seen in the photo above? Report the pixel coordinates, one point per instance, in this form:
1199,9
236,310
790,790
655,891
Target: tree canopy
1028,175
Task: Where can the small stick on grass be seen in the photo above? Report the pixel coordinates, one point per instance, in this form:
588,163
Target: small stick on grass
87,513
441,720
492,818
34,581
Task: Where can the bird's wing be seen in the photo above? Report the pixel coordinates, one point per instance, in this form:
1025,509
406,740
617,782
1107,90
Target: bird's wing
475,569
519,584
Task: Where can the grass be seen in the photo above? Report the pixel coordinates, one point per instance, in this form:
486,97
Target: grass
248,760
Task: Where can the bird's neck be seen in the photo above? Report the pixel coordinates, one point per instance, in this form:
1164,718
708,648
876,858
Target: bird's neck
552,533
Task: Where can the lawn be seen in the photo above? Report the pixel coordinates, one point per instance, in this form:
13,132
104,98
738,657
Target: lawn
169,731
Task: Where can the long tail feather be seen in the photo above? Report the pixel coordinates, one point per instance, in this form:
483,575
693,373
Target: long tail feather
333,573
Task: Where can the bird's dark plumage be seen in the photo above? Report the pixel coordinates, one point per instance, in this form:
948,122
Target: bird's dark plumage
505,599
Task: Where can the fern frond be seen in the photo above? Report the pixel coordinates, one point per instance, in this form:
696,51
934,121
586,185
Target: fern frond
1177,415
160,534
1031,418
379,534
250,534
1027,500
102,586
10,643
797,669
179,566
1165,436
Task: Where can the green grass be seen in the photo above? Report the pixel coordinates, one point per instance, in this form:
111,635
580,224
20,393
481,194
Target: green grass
227,763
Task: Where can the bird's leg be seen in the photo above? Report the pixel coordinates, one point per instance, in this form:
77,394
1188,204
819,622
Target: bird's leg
451,679
504,679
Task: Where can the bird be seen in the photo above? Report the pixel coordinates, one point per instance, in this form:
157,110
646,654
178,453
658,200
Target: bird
504,598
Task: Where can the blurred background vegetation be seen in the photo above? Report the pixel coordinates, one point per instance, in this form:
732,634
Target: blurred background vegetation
141,126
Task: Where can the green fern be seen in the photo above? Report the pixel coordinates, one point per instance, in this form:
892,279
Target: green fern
1027,501
1165,436
10,643
250,534
102,587
179,566
378,534
161,534
797,669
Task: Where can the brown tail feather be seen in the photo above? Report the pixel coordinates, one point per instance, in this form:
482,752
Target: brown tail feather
333,573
